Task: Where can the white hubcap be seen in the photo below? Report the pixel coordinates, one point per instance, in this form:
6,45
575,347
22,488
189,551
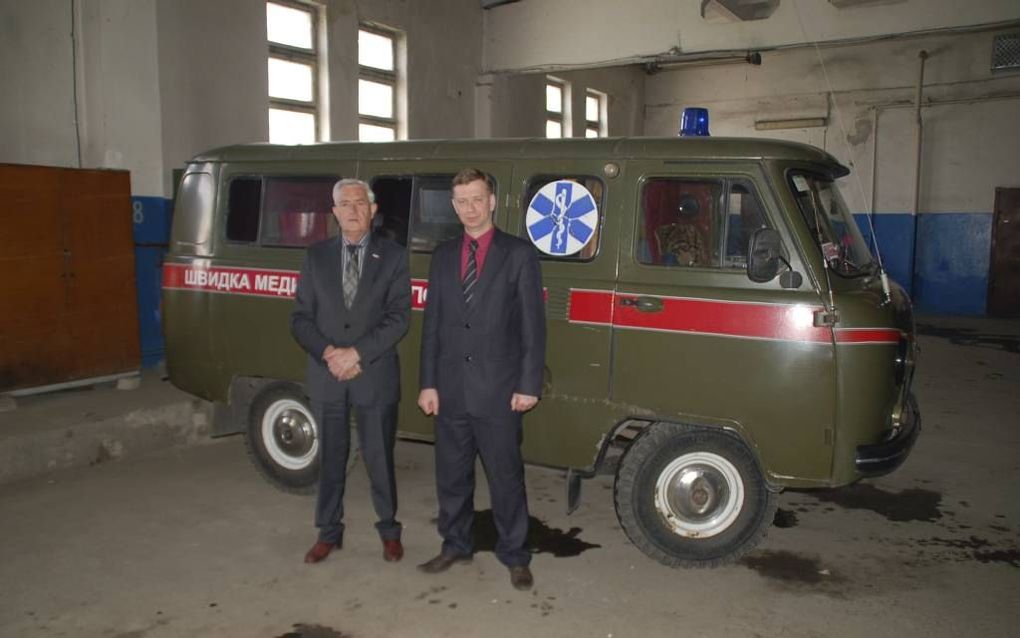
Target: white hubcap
699,494
289,434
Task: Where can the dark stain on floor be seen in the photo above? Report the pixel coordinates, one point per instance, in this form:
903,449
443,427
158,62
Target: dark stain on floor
785,519
967,337
786,567
302,630
902,507
973,548
542,539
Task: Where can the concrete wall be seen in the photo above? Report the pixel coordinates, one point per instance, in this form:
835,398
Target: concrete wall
971,142
513,105
552,35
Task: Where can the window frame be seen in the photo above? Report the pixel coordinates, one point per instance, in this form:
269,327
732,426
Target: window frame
382,76
560,116
726,183
601,125
300,55
332,227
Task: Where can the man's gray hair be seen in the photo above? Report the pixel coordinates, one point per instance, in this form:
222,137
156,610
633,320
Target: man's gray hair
350,181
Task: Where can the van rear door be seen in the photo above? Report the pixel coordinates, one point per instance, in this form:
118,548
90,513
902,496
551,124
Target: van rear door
695,340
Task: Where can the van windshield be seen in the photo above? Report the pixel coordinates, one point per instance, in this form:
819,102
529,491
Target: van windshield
839,239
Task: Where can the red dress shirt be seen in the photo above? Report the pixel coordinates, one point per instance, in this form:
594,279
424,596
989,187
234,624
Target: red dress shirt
483,248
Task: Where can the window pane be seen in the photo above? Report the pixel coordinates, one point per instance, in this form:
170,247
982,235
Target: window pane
375,50
243,209
288,25
591,132
553,128
553,98
433,219
297,210
591,108
373,133
291,127
744,216
375,99
680,223
393,196
290,80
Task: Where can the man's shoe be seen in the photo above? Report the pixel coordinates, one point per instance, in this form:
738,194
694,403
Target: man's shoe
521,578
392,551
442,562
318,552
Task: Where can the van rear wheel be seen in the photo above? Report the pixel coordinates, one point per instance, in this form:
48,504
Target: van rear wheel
282,439
692,497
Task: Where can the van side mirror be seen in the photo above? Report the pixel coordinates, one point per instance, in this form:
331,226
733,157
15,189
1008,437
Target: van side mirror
763,255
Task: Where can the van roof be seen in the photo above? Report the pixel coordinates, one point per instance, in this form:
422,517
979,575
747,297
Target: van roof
708,148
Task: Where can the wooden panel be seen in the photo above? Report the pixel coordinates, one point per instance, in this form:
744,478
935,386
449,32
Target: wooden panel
67,297
1004,266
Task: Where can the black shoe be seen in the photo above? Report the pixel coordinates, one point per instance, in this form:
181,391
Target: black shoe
521,578
442,562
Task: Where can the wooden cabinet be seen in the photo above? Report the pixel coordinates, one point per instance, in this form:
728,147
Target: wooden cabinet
67,279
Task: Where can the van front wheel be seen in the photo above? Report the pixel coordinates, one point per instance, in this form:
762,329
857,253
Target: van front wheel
692,497
283,439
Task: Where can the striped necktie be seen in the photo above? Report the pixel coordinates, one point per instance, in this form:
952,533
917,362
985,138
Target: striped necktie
471,275
351,274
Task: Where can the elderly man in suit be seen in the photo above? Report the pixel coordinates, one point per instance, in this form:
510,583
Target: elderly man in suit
482,363
353,305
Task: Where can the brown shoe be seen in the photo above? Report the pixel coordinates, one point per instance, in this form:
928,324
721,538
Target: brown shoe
442,562
318,552
392,551
521,578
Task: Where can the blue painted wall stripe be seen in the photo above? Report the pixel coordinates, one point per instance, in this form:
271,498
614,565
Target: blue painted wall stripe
950,272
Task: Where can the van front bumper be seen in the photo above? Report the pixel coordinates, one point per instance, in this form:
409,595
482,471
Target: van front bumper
882,458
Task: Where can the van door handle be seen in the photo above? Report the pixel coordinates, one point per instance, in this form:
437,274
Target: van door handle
643,304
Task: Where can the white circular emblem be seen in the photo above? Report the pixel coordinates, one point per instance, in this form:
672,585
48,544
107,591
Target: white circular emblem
562,218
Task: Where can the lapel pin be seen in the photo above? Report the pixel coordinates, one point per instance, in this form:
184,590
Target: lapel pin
375,255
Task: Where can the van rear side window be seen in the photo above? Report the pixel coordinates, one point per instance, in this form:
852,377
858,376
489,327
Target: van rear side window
417,205
281,211
688,222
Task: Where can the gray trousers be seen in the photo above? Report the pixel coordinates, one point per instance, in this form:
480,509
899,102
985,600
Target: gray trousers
377,430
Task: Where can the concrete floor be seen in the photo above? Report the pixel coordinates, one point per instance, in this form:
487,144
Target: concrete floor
191,542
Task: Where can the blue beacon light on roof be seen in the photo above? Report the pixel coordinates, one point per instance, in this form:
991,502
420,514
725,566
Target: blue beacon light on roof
694,122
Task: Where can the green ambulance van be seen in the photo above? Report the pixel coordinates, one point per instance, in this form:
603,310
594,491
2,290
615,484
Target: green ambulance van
718,329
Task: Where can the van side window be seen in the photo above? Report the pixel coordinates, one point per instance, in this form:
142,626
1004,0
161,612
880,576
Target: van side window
245,198
393,196
743,217
297,211
687,222
679,223
433,219
580,231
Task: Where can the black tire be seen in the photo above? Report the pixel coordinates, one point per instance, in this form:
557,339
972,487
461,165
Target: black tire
665,523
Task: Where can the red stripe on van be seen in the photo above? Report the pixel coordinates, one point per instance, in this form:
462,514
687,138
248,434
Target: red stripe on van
258,282
590,306
867,335
730,319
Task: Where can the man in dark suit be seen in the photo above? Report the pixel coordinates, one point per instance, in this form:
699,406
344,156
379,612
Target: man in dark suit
482,363
353,305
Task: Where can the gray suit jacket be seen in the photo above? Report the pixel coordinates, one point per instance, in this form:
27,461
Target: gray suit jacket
477,358
375,323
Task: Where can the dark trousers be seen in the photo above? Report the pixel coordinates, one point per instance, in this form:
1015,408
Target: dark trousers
459,439
377,429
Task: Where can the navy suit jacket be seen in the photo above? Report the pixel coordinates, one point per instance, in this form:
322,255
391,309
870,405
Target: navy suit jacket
375,323
477,358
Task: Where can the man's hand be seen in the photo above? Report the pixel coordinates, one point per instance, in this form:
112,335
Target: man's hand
522,402
351,372
342,362
428,401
